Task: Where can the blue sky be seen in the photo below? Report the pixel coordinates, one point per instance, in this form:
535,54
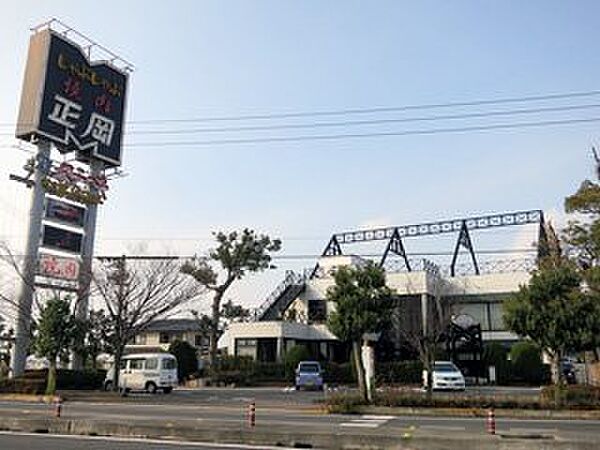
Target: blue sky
200,59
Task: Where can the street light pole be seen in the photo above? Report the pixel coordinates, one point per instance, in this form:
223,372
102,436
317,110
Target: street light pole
23,328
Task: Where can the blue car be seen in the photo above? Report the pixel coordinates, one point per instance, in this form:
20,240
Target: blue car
309,375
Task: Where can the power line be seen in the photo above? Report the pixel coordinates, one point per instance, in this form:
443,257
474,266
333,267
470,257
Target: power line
340,112
313,256
342,136
351,111
476,115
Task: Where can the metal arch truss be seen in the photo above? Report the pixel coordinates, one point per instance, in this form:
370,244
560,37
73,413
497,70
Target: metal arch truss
462,226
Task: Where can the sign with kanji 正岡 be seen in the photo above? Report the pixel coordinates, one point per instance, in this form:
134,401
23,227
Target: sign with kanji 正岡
77,104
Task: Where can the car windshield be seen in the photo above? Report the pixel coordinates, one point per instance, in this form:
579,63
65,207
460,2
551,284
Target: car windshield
444,367
309,368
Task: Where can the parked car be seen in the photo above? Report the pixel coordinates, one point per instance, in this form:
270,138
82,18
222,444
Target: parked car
568,370
445,376
145,372
309,375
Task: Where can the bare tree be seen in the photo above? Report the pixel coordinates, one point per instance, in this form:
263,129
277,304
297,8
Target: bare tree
435,317
136,293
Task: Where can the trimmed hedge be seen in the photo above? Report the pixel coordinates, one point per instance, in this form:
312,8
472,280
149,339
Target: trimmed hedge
576,397
70,379
23,386
243,371
399,372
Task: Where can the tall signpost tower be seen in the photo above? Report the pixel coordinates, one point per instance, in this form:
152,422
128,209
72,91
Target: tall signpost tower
73,106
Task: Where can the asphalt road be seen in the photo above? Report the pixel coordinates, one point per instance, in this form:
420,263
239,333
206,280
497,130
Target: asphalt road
227,409
25,441
280,396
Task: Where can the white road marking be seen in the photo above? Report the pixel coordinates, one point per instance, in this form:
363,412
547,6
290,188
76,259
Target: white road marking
442,427
145,441
367,421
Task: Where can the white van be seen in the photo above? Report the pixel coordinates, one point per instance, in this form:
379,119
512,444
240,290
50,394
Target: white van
145,372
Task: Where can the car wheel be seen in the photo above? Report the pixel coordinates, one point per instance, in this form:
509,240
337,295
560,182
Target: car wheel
167,390
151,387
108,386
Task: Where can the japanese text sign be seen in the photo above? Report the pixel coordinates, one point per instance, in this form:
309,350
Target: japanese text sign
58,267
77,104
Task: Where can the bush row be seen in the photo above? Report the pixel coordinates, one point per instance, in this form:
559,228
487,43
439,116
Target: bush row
244,371
400,372
574,397
34,381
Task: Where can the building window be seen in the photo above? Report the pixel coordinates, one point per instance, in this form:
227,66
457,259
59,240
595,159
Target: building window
317,310
496,321
245,347
201,340
164,338
140,339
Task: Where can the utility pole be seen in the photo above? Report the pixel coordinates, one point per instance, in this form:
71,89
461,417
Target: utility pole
23,328
85,274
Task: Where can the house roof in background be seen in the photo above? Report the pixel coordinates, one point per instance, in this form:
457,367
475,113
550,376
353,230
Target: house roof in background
174,325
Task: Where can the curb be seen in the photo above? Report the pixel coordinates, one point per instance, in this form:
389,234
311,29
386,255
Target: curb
479,412
272,437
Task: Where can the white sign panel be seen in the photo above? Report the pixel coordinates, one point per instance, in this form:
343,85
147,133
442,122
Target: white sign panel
52,266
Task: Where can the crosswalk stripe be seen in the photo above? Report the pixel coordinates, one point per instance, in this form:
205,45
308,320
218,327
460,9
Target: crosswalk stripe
367,421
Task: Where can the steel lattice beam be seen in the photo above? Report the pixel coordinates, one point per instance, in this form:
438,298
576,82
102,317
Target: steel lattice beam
443,226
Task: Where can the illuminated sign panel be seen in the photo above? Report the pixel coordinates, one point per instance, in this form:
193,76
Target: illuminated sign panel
61,239
65,212
76,104
51,266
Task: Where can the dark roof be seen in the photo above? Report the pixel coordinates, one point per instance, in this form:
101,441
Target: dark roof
174,325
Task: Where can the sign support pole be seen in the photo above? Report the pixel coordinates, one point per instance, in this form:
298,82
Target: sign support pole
25,300
85,274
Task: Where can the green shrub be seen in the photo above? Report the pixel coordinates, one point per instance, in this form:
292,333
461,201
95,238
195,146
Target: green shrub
526,363
576,396
495,354
70,379
187,360
229,363
23,386
293,356
338,373
267,372
399,372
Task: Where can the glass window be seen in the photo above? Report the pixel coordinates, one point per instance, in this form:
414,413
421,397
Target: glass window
164,338
136,364
169,364
140,339
496,312
152,364
477,311
246,347
444,367
123,365
309,368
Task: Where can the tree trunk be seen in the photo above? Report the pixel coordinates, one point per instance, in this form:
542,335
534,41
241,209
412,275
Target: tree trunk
557,377
360,370
214,328
51,380
117,369
428,365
